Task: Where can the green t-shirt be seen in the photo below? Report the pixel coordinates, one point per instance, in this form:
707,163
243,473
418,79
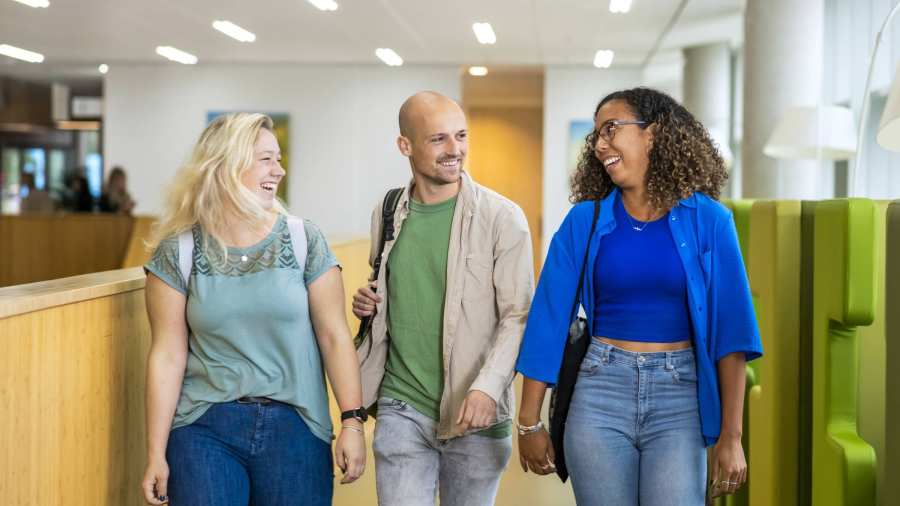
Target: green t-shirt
250,328
417,268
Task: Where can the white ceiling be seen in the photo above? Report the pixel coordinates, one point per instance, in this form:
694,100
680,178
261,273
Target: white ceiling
83,33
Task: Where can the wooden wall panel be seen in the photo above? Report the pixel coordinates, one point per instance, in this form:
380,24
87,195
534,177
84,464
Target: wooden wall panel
506,155
136,254
71,394
44,247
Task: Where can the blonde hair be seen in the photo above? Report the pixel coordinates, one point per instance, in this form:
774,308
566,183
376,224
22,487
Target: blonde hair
208,189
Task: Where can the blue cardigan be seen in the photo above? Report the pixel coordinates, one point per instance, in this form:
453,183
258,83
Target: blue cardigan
721,306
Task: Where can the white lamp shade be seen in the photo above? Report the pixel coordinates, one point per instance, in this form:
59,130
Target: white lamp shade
814,132
889,129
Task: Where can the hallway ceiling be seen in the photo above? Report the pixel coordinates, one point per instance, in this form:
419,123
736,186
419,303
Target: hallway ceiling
84,33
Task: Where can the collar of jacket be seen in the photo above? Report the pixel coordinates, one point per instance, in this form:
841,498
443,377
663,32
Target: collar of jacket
606,207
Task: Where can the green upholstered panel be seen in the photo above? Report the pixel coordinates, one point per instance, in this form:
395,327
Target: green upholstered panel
741,211
805,371
773,402
871,345
889,468
843,464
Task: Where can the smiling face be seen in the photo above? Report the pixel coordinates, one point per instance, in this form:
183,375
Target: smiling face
436,139
626,156
263,177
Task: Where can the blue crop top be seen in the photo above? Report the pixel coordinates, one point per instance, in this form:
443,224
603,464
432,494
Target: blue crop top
639,283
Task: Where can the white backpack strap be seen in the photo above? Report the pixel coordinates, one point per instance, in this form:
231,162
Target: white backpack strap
186,254
298,239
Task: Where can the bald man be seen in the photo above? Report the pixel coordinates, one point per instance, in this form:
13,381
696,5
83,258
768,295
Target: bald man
449,306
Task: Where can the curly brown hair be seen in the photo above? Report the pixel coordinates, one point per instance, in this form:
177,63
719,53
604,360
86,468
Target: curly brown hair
683,157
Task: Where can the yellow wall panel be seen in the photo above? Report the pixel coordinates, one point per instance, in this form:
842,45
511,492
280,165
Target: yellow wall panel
772,404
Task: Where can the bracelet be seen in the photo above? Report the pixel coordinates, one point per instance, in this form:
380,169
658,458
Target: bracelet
524,430
353,429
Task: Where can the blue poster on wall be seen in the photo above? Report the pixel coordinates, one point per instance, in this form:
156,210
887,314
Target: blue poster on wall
579,129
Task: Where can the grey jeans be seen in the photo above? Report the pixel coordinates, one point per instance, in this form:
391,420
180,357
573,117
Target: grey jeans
412,465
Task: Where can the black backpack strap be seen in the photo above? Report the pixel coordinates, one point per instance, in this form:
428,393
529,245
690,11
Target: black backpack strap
587,251
388,209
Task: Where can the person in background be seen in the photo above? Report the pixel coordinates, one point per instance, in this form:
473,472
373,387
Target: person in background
115,197
246,306
34,200
77,197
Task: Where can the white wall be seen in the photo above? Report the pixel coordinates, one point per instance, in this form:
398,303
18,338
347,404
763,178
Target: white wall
343,126
570,93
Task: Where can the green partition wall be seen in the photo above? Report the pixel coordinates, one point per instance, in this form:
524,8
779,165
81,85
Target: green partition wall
889,460
843,464
772,404
741,211
871,345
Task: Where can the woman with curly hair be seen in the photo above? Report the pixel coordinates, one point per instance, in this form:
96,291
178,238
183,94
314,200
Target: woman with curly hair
659,274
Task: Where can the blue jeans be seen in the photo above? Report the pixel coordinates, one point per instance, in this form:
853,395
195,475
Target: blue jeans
633,430
412,465
248,453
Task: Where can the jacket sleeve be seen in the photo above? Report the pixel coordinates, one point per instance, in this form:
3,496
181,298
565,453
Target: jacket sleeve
551,313
513,281
733,326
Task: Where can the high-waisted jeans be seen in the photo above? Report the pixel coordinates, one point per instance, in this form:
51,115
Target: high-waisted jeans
249,453
633,430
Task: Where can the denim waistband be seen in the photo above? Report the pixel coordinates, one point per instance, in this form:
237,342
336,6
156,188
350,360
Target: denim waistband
606,353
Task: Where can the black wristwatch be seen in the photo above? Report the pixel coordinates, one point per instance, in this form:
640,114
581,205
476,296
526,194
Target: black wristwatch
358,413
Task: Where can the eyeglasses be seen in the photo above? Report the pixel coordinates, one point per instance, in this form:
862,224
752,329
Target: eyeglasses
608,130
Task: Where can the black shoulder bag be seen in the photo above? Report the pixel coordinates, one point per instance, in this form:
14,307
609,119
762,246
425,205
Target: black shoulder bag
576,347
388,207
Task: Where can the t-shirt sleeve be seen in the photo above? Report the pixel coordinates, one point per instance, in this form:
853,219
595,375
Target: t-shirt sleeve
164,265
319,257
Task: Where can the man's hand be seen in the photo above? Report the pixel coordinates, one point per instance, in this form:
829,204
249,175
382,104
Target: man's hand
478,411
364,301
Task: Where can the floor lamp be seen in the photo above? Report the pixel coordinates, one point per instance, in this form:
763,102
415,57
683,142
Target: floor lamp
823,132
855,169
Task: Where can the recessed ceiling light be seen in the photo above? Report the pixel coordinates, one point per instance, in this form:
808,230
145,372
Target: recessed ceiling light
478,71
389,56
176,55
324,5
619,6
103,68
21,54
35,3
604,58
234,31
484,33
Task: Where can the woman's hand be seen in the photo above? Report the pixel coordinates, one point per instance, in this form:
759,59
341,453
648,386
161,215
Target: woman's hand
350,453
728,468
536,453
155,481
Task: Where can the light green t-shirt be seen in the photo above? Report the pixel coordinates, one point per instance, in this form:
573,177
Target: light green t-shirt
417,269
250,328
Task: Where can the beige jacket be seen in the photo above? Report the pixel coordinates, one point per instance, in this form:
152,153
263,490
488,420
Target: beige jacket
490,282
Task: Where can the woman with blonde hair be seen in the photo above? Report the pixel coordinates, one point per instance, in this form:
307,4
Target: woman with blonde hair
243,301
